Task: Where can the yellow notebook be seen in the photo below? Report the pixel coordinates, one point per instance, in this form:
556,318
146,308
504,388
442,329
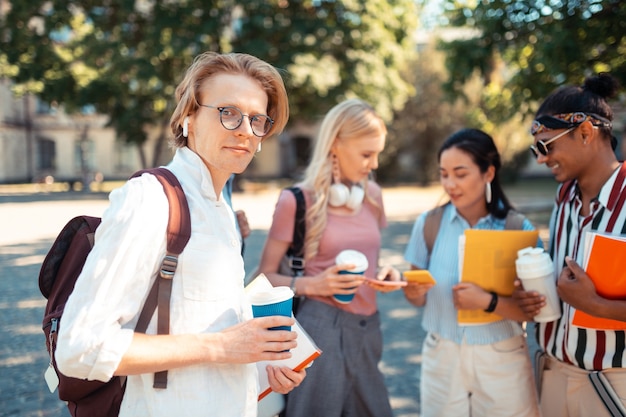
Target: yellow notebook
605,263
488,260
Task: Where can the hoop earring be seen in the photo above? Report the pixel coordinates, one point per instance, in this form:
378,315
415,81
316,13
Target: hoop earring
488,192
186,127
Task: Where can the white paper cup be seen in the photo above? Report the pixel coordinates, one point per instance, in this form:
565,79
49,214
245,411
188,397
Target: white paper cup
276,301
360,263
536,271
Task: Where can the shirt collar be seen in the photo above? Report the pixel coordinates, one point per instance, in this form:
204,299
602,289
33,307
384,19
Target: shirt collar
199,173
485,222
611,189
609,193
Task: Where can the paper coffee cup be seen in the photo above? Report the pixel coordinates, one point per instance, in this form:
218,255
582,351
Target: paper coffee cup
275,301
360,263
536,271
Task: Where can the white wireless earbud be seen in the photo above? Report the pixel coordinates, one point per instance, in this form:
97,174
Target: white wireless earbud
186,127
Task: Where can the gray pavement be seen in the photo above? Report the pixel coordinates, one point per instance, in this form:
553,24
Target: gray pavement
28,225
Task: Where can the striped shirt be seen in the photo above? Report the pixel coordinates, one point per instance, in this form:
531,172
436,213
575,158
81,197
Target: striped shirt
588,349
440,315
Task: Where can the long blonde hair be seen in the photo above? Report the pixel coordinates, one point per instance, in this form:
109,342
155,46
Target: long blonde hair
350,119
209,64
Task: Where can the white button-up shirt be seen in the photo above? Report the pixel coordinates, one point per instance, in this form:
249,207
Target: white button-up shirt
207,296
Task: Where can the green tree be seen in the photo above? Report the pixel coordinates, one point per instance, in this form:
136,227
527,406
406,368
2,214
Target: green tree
332,50
125,57
421,126
544,44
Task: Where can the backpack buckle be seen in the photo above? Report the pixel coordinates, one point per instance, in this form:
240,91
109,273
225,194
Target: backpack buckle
168,266
296,262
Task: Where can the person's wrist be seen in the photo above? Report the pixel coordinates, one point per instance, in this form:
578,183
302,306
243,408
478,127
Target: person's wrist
293,285
493,303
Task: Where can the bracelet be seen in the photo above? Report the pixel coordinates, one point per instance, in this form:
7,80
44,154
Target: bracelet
493,303
293,284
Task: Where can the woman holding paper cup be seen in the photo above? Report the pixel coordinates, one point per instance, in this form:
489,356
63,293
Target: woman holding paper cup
482,369
344,216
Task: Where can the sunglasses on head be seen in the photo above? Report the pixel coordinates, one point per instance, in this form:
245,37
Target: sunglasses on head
566,121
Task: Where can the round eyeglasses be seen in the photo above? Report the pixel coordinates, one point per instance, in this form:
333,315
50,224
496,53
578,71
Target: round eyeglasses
231,118
541,147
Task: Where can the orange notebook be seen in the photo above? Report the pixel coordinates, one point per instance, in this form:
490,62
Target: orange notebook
605,261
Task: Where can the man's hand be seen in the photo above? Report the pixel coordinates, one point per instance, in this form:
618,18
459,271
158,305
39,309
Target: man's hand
283,379
576,288
252,341
530,302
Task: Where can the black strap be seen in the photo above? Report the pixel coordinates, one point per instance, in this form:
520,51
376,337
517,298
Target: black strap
296,250
178,234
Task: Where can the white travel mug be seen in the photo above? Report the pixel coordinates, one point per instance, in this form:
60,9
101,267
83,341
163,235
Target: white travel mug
536,270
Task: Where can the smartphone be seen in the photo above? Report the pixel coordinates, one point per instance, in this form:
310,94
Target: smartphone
421,276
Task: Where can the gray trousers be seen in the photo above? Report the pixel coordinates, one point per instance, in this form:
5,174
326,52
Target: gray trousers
344,381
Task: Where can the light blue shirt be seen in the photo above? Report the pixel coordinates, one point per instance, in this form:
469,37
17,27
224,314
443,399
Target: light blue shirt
440,316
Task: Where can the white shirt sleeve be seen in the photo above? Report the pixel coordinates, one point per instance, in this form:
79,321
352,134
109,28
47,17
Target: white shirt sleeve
98,322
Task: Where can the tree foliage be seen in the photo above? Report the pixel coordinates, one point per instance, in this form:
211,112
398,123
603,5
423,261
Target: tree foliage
332,50
125,57
422,125
543,43
122,57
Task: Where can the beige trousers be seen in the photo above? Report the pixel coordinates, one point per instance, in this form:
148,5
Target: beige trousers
566,390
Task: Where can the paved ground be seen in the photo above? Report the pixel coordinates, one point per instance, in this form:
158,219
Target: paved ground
29,223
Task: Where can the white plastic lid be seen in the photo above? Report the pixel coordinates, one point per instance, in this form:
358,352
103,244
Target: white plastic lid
533,263
353,257
270,295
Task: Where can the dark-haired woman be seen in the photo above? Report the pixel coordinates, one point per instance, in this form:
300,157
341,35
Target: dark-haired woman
573,137
478,370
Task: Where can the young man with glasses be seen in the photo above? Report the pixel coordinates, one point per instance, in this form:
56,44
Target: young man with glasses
583,372
214,343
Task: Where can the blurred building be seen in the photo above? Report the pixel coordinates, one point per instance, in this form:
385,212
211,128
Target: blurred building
41,143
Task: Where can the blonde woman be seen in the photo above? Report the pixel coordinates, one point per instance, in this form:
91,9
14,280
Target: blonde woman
344,210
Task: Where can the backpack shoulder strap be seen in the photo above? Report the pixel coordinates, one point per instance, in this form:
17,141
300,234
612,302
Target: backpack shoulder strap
179,222
431,227
296,250
178,234
514,220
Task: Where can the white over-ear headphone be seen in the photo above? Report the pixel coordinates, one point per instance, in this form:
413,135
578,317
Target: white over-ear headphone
341,195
